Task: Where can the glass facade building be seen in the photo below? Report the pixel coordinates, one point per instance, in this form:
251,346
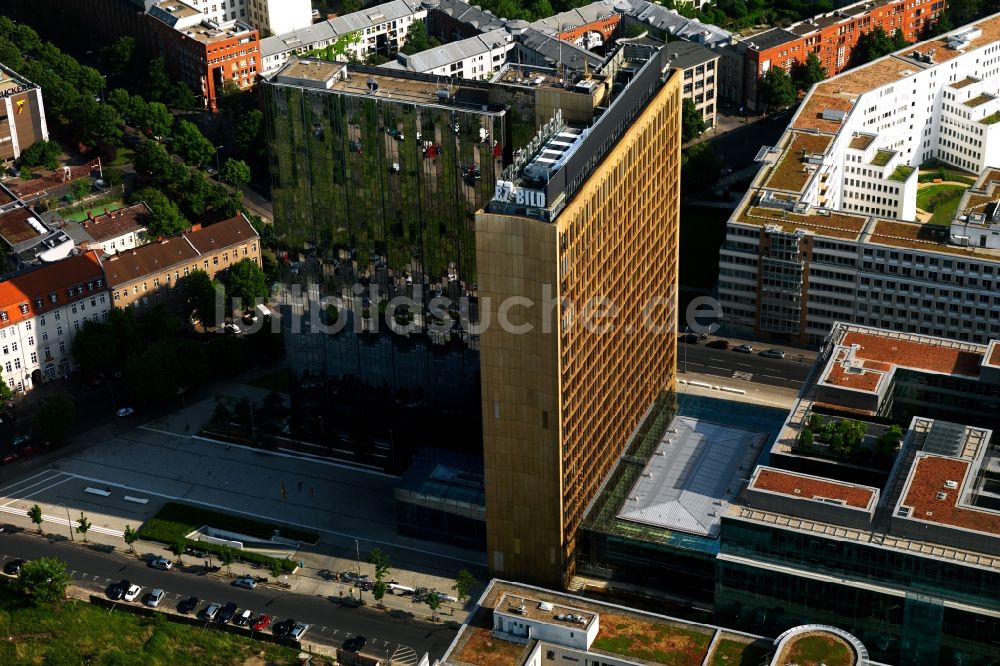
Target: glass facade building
376,176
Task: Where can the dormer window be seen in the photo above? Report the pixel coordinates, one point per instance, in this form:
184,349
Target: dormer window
53,297
24,308
100,283
90,286
38,303
3,315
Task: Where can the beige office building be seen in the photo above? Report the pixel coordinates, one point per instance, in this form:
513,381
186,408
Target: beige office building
578,257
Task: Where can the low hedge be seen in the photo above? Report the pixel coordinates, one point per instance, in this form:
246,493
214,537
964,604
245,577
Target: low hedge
175,520
246,556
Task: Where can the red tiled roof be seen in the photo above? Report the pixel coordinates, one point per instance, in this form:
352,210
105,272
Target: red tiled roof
116,222
927,479
126,267
787,483
914,354
47,281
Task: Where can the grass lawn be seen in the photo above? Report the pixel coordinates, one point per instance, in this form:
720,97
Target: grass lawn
739,653
125,156
817,649
662,643
276,381
75,632
80,216
941,200
174,521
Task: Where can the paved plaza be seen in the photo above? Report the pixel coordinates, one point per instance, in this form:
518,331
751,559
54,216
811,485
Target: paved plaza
127,478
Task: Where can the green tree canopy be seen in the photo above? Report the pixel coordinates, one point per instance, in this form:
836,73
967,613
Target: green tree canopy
151,159
776,89
692,121
118,55
876,43
163,369
700,168
807,74
191,144
43,581
157,119
417,39
99,122
41,153
235,172
247,282
166,218
158,83
206,299
54,417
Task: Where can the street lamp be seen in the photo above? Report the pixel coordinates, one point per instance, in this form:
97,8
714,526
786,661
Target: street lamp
218,169
686,330
357,549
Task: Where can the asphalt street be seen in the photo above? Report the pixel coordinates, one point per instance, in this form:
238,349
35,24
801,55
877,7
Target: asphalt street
404,640
789,372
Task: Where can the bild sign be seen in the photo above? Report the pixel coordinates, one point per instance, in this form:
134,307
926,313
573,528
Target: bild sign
507,192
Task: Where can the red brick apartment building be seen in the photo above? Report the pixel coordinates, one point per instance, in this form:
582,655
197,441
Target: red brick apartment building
204,53
832,36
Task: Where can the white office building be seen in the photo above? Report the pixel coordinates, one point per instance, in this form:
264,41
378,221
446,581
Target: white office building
279,16
829,230
379,29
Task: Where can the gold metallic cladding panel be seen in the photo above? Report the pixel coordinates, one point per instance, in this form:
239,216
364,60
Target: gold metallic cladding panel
558,408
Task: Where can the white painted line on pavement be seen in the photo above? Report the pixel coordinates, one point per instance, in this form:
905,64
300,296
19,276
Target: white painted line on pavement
228,509
21,482
51,485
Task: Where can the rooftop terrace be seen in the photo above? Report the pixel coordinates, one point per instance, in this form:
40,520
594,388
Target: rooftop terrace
791,173
805,487
934,491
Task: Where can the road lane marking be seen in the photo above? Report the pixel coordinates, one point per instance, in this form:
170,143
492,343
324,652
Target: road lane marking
11,500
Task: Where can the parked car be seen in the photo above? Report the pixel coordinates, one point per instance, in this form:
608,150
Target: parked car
125,411
161,563
155,597
366,585
132,593
20,440
690,338
262,622
246,582
116,591
718,344
227,613
233,328
8,459
355,644
298,631
13,568
210,611
743,349
283,628
351,577
444,597
188,605
773,353
243,619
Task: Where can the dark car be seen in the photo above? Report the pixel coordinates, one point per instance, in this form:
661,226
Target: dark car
227,613
355,644
283,628
116,591
13,568
718,344
188,605
691,338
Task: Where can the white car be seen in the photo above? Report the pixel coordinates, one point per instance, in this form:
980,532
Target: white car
132,593
161,563
125,411
246,582
155,597
234,329
298,631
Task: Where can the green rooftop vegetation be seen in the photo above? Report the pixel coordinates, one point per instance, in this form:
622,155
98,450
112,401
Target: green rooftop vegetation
882,157
979,100
663,643
992,118
940,200
820,649
901,173
730,652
